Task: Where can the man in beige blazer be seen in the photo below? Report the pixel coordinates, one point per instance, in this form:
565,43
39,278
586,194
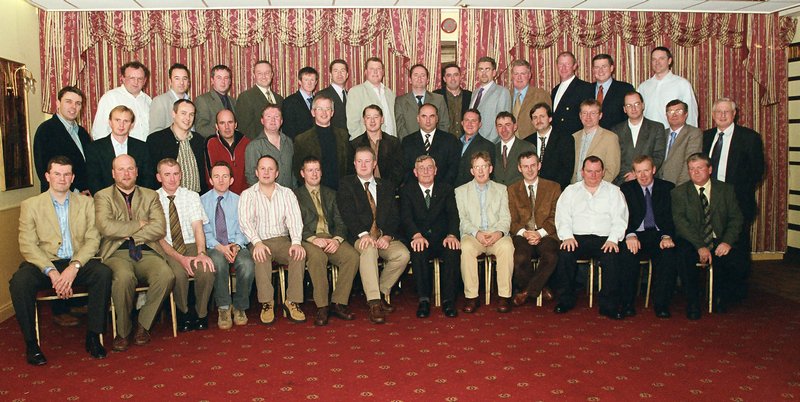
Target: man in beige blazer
524,96
371,92
597,141
407,106
683,140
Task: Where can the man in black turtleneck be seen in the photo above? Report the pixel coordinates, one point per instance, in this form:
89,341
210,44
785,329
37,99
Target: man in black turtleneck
329,144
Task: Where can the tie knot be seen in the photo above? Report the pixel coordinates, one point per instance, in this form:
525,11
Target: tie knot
673,134
366,186
219,198
427,191
702,190
171,198
419,97
721,133
314,192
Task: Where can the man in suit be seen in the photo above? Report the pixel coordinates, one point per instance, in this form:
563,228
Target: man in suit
638,136
430,220
371,92
558,162
58,241
251,103
324,235
508,150
370,213
532,204
296,108
597,141
211,102
568,95
665,86
339,72
707,223
429,140
484,225
130,94
179,142
161,107
323,141
131,222
523,97
274,143
387,149
682,140
471,143
489,97
103,151
608,91
456,98
228,145
650,235
406,106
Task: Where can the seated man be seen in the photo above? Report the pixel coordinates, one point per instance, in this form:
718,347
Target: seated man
185,245
591,217
59,258
323,240
430,220
532,203
227,245
485,222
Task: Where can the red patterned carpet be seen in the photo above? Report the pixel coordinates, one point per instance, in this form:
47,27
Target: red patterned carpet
751,353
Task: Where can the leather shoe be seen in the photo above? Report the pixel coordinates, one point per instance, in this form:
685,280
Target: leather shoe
34,356
628,310
341,311
424,309
141,336
562,308
547,294
504,306
449,309
321,318
662,312
612,314
521,298
385,305
201,323
94,347
65,320
376,314
470,305
120,344
185,323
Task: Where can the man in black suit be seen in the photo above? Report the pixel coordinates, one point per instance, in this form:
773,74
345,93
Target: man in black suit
649,234
339,72
471,143
179,142
568,95
430,220
428,140
327,143
456,98
608,91
637,136
296,108
101,153
559,161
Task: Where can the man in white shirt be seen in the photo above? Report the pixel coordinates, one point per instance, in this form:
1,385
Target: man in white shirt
161,108
130,94
372,91
489,98
665,86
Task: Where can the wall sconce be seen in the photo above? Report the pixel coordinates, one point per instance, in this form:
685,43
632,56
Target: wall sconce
28,81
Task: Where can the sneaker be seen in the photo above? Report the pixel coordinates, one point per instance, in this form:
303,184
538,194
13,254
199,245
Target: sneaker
293,312
239,317
267,313
224,320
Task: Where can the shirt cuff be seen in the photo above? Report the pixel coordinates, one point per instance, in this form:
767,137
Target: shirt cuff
360,235
340,239
48,269
630,235
542,232
521,232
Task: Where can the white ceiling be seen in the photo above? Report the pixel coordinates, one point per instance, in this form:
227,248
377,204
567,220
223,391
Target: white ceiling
785,7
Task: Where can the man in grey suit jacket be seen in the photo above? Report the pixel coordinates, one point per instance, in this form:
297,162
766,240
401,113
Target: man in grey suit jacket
251,103
682,141
489,97
638,136
339,72
407,106
208,104
508,150
371,92
161,108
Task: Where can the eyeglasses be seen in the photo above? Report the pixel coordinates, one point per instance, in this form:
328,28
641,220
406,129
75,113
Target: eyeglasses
633,105
481,167
676,112
321,109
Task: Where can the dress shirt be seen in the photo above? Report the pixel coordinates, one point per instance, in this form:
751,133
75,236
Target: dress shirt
520,94
546,137
230,204
388,113
657,93
562,87
482,189
722,168
635,130
485,89
72,129
261,146
306,96
120,148
263,218
422,95
606,85
140,104
641,225
586,142
423,134
604,213
189,208
707,193
339,91
62,213
677,132
465,142
268,94
535,184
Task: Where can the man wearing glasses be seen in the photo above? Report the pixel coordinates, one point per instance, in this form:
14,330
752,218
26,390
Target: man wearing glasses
682,140
594,140
130,94
638,136
327,143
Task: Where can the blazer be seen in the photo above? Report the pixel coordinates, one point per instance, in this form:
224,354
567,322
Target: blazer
533,96
547,193
406,110
162,144
510,174
339,119
613,103
101,155
477,144
336,226
558,162
307,144
40,231
493,101
687,212
355,210
466,97
205,114
605,146
469,208
161,111
249,108
296,115
662,205
390,156
434,223
745,168
652,141
113,223
445,150
674,167
566,118
361,96
52,139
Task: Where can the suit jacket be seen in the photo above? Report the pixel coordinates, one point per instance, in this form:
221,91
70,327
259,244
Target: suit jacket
52,139
662,205
469,208
466,97
605,145
477,144
547,193
101,155
339,118
307,144
355,210
558,162
406,110
674,167
566,118
40,231
296,115
249,107
613,103
651,142
745,168
336,226
493,101
510,173
161,111
434,223
361,96
445,150
163,144
390,156
205,114
114,225
533,96
687,212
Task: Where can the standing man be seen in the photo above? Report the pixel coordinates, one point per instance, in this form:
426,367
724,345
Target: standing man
59,258
429,140
251,103
594,140
665,86
430,220
682,140
228,145
471,143
638,136
161,107
130,94
456,98
608,91
323,141
339,72
386,148
297,106
371,92
568,95
179,142
489,97
523,97
211,102
559,162
274,143
406,107
508,150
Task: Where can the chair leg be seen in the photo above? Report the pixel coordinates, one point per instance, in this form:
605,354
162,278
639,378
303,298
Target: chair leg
437,290
334,276
591,283
36,322
488,274
649,283
710,288
173,311
113,319
282,281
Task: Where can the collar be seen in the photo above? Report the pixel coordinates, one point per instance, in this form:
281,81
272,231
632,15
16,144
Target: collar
547,134
678,130
305,94
311,188
423,188
510,142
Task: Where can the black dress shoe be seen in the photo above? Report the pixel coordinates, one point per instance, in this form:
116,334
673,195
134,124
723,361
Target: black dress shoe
185,322
94,347
424,309
449,309
562,308
341,311
628,310
612,314
202,323
34,356
662,312
321,318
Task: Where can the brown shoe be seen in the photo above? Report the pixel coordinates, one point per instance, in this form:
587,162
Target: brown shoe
321,319
504,306
470,305
520,298
141,336
547,294
120,344
385,305
65,320
341,311
376,314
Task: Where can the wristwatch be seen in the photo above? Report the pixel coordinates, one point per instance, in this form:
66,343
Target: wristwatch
77,264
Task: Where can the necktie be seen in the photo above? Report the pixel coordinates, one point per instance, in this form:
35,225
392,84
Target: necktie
175,227
270,97
708,232
600,94
532,196
226,102
133,250
649,217
427,198
427,142
478,98
419,100
517,104
672,136
322,223
716,154
220,224
505,156
543,142
373,231
308,101
344,97
376,145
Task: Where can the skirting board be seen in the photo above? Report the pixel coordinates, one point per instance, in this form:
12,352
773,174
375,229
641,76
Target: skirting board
6,311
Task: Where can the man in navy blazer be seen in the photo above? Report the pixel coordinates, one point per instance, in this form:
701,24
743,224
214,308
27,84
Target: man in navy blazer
296,107
568,95
339,72
558,162
612,94
429,140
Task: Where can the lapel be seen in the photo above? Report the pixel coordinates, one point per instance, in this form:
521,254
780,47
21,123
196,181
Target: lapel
74,218
733,154
314,143
598,137
625,134
49,212
644,136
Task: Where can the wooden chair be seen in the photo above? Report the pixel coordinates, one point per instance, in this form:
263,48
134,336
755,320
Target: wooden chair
487,260
139,289
590,285
710,284
50,295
